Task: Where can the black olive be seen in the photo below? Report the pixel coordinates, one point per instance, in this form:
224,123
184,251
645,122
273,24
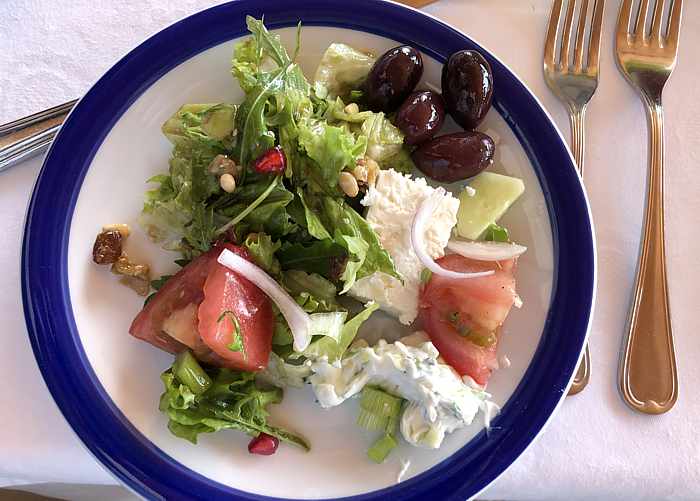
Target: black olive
454,157
420,116
467,87
392,78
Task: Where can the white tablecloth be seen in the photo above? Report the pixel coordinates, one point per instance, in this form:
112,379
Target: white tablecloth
595,447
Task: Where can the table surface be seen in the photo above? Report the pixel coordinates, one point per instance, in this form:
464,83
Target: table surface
595,447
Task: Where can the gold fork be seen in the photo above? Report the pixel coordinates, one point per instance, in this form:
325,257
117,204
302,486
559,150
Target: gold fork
648,378
574,81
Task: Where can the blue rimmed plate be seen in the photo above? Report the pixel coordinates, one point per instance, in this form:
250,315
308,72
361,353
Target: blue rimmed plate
106,383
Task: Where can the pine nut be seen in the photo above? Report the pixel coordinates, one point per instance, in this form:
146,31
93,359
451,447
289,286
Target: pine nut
352,108
227,182
348,184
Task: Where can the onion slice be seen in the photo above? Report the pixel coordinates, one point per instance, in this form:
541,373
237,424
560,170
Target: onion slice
425,211
299,321
485,251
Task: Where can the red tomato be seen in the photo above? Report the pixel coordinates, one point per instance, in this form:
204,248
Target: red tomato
236,319
173,319
176,295
463,316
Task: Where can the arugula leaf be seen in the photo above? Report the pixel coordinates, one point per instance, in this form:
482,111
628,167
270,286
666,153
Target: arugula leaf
351,231
232,401
321,256
310,219
284,84
201,231
263,249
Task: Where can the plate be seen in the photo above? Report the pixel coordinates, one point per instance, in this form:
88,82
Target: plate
106,383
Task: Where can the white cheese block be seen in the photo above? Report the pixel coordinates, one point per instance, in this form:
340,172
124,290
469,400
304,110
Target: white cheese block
393,202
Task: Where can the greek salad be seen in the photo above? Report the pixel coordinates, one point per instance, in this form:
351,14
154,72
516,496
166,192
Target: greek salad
301,211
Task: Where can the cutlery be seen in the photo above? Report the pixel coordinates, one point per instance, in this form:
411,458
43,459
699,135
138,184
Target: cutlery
31,135
574,81
646,57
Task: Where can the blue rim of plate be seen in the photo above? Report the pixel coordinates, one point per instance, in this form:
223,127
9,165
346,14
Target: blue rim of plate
129,455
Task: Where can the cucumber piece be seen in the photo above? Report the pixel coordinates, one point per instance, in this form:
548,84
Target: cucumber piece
495,193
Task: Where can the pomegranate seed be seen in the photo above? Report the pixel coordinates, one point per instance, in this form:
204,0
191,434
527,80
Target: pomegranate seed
272,161
263,444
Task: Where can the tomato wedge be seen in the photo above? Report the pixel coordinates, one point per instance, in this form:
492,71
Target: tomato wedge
185,313
235,318
180,291
463,317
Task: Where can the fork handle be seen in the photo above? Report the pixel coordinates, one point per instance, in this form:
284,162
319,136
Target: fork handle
648,378
577,120
29,136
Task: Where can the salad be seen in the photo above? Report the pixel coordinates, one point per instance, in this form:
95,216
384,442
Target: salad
301,211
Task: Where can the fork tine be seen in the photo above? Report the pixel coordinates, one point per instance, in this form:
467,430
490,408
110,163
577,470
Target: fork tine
623,22
596,28
674,24
639,28
656,21
580,30
566,34
550,52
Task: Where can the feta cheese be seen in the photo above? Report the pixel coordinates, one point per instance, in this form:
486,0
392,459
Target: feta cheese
393,202
439,401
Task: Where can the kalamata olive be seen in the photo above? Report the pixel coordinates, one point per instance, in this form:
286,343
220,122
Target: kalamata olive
467,87
420,116
393,77
107,247
456,156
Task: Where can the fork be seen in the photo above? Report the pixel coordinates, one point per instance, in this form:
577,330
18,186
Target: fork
648,377
574,82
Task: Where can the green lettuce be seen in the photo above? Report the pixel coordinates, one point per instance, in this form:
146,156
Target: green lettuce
384,139
342,69
263,249
334,349
232,401
331,148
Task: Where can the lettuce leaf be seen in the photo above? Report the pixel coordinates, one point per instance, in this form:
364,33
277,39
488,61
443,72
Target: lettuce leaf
342,69
328,347
331,148
384,139
233,401
173,210
263,249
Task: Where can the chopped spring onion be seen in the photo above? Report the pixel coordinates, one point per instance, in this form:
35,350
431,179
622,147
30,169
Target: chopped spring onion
188,371
379,411
485,251
379,402
420,223
381,448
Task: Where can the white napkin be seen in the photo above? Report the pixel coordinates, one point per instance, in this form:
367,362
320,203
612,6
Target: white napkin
595,447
